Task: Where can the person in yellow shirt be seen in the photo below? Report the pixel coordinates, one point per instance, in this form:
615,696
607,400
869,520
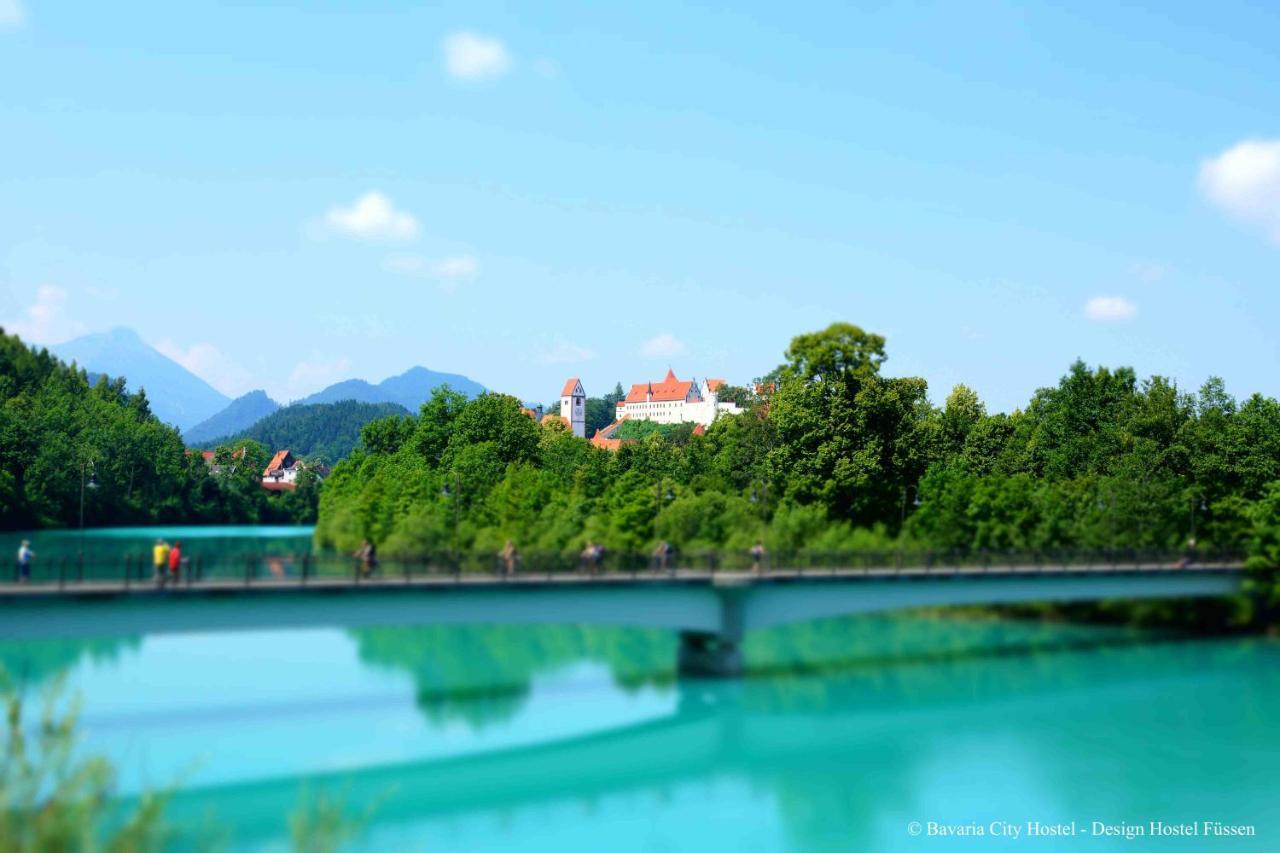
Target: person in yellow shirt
160,560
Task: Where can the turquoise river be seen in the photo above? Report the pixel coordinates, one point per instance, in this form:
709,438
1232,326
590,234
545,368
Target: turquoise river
848,734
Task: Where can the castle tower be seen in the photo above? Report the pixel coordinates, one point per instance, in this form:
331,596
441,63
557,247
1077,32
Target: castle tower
573,406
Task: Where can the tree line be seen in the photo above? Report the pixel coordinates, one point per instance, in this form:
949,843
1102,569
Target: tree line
59,431
831,454
319,432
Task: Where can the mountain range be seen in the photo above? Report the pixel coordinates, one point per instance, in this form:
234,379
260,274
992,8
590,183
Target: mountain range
410,389
177,395
243,413
203,413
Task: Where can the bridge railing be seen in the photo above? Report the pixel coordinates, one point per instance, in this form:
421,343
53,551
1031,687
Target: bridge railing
72,571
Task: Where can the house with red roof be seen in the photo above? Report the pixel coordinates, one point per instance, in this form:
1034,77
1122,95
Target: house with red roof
673,401
607,439
209,457
281,474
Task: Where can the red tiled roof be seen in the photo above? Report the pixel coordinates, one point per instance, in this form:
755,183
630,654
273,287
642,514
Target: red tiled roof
715,384
604,437
699,430
208,455
669,390
569,386
277,462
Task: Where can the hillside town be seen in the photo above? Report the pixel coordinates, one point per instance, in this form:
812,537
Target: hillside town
670,400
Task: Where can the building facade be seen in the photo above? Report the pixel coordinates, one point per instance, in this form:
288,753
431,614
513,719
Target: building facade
675,401
573,407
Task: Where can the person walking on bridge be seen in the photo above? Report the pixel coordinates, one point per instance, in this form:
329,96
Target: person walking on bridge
160,560
662,555
367,557
757,557
175,561
509,557
591,555
25,556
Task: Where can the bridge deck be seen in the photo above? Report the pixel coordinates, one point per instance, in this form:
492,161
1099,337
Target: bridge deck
222,586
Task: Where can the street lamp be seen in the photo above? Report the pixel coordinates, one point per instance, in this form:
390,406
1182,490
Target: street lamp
1197,502
915,490
760,495
455,494
86,467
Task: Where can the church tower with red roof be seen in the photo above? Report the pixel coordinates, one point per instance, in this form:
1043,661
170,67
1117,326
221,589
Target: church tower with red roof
573,406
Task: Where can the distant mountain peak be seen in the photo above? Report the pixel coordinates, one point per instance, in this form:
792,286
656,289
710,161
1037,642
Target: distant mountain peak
123,334
409,389
177,396
241,414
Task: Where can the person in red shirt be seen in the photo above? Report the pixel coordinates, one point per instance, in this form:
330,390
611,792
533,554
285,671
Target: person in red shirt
175,560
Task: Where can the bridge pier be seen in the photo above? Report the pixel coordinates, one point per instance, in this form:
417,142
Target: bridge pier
716,654
708,655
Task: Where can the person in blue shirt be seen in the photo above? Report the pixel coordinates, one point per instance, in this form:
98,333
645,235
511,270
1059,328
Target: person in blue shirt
25,555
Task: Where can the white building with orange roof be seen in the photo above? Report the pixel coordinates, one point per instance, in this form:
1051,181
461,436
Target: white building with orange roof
281,474
675,401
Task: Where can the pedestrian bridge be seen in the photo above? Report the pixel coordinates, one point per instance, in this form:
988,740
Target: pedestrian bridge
711,611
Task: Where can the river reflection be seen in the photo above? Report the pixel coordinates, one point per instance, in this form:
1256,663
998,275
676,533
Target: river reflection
577,738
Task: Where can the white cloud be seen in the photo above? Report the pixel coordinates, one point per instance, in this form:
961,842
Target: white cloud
312,375
664,345
372,217
1244,181
210,364
45,321
448,272
11,14
471,56
565,352
1109,309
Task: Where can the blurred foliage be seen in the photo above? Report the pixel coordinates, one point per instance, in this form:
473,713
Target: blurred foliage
53,799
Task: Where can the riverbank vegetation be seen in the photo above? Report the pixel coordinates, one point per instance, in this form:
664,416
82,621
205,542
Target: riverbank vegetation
834,454
54,797
58,431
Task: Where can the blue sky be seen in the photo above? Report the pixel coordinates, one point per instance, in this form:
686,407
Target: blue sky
283,195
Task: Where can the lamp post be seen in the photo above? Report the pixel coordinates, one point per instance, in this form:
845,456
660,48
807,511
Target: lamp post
662,494
915,490
660,498
86,467
454,494
1197,502
760,495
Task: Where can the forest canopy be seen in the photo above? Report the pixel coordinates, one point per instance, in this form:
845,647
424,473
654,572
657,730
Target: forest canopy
831,454
319,432
57,429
